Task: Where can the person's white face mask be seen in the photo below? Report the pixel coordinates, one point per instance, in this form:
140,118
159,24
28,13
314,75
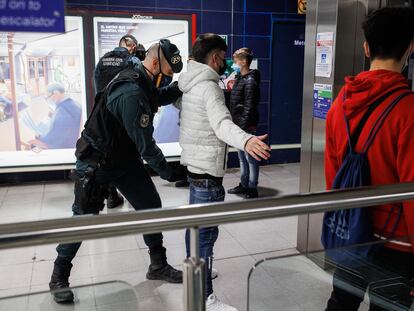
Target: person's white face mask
236,68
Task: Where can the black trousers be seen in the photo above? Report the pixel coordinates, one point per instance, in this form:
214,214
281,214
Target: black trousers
136,186
388,277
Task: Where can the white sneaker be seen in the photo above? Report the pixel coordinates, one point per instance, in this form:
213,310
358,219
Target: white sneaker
214,273
213,304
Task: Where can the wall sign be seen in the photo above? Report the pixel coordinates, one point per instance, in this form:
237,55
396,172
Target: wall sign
324,49
32,15
322,100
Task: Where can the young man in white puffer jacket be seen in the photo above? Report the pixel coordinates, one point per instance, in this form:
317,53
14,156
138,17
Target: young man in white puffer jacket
206,129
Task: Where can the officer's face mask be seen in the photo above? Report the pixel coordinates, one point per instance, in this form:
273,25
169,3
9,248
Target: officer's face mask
161,79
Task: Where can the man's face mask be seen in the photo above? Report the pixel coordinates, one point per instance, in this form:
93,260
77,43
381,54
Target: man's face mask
161,79
223,68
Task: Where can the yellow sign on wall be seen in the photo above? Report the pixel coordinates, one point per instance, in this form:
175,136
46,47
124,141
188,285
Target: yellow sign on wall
302,6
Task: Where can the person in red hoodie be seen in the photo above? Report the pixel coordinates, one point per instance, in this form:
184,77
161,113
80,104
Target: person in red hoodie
389,34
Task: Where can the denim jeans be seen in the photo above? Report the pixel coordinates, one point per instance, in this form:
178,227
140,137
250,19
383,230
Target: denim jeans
209,191
137,187
249,168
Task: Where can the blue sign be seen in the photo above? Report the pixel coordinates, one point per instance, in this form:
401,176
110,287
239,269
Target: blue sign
322,100
32,15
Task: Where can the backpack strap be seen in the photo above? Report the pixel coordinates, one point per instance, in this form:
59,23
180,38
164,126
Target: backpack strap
380,121
371,136
353,139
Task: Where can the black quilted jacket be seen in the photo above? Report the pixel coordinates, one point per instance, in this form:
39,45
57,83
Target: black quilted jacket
244,100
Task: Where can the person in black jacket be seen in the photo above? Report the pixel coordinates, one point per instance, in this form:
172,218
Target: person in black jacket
244,101
117,137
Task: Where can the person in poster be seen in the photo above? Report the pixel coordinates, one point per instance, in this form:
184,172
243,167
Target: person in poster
34,117
65,120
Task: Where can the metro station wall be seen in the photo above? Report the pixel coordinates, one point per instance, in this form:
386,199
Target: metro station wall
251,27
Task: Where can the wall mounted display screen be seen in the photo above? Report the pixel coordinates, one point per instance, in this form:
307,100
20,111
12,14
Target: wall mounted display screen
42,96
108,31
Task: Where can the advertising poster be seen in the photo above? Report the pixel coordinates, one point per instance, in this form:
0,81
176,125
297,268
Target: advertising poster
322,100
42,96
324,50
108,31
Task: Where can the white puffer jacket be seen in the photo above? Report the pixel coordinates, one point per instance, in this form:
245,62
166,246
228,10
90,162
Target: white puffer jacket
205,122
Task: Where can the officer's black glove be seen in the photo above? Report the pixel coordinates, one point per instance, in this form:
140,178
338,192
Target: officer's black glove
175,90
179,172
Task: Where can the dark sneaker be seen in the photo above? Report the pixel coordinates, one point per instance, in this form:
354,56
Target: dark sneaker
237,190
114,200
61,292
251,193
165,273
182,184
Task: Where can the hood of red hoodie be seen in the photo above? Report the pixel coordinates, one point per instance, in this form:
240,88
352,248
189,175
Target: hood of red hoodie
363,89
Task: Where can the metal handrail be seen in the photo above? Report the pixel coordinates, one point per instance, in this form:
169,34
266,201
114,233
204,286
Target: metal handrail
198,215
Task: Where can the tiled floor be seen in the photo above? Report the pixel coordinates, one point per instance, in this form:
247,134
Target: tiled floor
239,246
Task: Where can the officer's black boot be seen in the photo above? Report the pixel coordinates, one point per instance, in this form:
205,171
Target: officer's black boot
159,268
114,198
59,283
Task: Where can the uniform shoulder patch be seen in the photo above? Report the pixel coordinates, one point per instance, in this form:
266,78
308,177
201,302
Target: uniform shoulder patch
144,121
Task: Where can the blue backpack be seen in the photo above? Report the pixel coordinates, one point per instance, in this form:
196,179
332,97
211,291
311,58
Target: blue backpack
344,228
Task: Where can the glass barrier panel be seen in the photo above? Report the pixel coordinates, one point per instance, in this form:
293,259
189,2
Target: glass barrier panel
107,274
375,276
106,296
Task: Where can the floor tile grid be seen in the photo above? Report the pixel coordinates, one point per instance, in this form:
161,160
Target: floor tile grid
235,241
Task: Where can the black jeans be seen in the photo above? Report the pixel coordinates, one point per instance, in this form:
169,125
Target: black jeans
387,275
136,186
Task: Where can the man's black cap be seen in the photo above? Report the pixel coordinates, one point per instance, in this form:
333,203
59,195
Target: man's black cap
172,55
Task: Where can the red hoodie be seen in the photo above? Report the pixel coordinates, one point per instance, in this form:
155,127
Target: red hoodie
390,155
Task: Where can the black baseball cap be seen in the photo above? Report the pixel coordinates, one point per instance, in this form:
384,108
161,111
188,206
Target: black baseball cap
172,55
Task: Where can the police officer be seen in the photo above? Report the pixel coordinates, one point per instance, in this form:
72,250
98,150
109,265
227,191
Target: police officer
117,135
116,60
107,68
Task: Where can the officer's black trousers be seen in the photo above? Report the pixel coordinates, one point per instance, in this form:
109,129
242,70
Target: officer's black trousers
137,187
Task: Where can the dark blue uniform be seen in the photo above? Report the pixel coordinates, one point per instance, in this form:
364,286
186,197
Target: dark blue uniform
116,138
111,64
133,109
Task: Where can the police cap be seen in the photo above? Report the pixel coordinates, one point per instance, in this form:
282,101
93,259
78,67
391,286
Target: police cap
172,55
